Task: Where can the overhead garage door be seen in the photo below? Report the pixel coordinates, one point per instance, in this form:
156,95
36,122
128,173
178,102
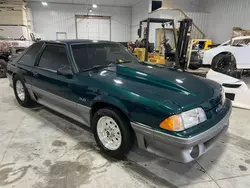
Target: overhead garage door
93,27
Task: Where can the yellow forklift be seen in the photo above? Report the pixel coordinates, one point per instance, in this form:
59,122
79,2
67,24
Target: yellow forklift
145,50
178,58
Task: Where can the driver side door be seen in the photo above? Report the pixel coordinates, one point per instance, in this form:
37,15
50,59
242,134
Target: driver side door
51,89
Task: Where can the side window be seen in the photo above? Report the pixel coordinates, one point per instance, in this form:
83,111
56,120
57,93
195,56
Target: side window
29,57
53,57
80,53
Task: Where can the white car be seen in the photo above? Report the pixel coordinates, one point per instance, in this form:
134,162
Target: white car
230,56
236,90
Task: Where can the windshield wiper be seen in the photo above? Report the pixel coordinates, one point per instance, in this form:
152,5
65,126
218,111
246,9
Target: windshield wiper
112,63
96,67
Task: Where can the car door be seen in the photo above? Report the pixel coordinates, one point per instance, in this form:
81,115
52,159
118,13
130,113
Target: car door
50,88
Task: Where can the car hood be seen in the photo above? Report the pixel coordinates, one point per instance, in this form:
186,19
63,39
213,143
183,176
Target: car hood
164,85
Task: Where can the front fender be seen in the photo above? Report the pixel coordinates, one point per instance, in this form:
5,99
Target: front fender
111,101
210,54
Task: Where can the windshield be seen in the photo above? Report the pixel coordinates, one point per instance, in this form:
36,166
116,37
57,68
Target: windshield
89,55
242,42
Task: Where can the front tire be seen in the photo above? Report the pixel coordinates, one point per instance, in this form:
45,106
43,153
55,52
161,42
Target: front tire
112,132
225,64
21,92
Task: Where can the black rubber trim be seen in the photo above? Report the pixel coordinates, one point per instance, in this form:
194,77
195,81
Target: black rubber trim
230,96
231,85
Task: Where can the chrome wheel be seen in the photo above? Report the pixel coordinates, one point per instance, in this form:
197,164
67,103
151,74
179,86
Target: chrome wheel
109,133
20,90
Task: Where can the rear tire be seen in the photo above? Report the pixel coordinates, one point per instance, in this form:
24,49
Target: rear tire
21,92
112,125
225,64
3,68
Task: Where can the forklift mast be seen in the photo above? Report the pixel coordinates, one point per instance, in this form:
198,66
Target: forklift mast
183,41
181,44
146,31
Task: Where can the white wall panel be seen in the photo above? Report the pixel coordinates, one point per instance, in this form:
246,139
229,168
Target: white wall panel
200,19
61,18
139,12
187,5
127,3
224,15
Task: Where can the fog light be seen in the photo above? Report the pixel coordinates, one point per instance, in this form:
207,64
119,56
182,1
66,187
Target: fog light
194,152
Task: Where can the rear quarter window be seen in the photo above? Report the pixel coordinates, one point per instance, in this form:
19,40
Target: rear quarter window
30,55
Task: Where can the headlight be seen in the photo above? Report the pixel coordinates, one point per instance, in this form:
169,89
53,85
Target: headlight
184,120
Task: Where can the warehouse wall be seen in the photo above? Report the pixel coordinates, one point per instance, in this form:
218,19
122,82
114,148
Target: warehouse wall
190,7
187,5
61,18
141,11
200,19
224,15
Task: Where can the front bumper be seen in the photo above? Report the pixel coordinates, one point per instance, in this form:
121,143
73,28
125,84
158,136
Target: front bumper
179,149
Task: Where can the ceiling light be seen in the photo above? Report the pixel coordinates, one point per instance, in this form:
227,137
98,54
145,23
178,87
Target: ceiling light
90,10
44,3
94,5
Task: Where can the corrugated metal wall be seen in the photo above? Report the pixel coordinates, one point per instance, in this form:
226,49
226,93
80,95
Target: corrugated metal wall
139,12
190,7
187,5
224,15
200,19
61,18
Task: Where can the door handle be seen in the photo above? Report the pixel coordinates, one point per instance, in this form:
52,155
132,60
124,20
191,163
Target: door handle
35,74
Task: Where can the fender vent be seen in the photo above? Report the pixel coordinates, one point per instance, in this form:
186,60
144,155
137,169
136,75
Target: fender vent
230,96
231,85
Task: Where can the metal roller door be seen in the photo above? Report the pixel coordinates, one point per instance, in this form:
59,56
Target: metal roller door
93,27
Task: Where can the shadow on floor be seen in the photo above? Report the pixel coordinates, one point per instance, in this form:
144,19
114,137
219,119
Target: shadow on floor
138,163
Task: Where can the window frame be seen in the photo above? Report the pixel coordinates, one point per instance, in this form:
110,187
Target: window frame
72,53
42,51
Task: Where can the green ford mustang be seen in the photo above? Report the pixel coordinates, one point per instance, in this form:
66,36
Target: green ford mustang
100,84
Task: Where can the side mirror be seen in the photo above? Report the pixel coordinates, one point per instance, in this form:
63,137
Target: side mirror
65,71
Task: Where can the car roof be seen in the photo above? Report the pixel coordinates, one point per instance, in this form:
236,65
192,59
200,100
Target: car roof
80,41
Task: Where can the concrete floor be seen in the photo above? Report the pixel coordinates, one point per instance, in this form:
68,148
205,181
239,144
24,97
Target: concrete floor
41,149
